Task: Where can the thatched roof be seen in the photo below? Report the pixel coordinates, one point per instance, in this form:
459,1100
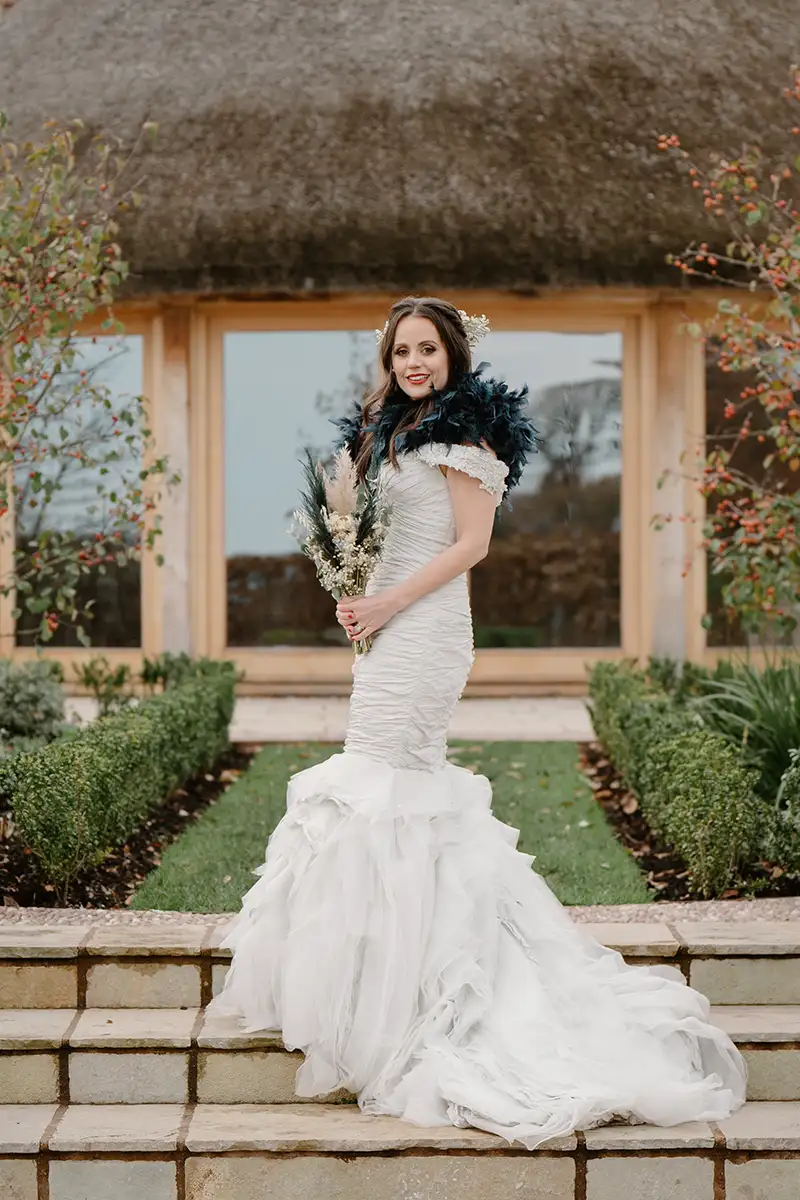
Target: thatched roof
405,143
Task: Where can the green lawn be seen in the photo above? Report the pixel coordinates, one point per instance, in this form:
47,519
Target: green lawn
537,788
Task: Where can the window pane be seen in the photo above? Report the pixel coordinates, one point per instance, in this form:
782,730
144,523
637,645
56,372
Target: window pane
552,575
117,364
281,389
722,387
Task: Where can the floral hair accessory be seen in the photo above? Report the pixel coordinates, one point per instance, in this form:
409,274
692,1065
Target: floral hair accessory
474,327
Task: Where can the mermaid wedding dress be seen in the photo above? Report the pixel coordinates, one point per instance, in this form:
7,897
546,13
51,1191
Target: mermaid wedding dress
397,937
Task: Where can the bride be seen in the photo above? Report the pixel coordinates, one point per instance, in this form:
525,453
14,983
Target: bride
395,935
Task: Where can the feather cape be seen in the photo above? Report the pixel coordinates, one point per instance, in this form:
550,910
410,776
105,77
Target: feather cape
474,410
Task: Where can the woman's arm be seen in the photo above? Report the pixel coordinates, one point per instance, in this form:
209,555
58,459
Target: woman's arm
473,510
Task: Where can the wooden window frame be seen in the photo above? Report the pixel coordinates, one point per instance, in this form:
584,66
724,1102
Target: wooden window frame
496,671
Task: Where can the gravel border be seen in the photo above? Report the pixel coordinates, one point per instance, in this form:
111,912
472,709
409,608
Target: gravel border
782,908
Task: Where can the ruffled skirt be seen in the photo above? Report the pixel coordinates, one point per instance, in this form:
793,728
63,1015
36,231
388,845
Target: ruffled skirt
397,937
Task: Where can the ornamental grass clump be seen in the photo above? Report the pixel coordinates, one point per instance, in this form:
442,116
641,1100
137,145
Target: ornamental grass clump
75,800
758,712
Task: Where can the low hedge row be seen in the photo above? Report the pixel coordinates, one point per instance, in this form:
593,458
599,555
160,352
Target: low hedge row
690,783
77,798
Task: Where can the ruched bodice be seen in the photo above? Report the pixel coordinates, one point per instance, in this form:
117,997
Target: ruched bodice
406,687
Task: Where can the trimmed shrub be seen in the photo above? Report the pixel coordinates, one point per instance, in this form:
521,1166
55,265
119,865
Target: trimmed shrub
77,798
699,798
692,786
630,717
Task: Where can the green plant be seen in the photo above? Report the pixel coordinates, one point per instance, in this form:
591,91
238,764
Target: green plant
168,670
109,685
782,843
630,717
700,799
684,680
752,531
31,701
77,798
759,713
63,434
691,784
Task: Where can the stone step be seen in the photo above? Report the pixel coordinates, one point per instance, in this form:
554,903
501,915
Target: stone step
177,1056
171,965
299,1152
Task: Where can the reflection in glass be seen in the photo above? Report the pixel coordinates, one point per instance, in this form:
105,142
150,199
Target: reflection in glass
721,387
114,596
552,577
281,390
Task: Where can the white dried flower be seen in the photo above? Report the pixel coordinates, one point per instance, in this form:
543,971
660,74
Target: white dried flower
474,327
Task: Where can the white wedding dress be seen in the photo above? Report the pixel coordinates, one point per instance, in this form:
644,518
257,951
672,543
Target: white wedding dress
398,938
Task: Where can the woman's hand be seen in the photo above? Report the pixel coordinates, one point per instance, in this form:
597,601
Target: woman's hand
363,616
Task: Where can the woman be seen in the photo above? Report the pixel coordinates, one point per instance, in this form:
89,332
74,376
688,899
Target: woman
396,936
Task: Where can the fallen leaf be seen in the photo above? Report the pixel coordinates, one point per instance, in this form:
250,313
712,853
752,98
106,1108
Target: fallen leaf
584,824
514,775
629,805
227,878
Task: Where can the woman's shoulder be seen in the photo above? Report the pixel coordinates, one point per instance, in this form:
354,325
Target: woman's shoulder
480,411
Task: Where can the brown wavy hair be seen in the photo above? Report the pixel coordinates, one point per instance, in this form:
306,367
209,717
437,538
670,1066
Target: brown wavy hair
444,316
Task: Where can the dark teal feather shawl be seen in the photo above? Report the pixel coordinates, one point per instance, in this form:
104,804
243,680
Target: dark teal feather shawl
474,410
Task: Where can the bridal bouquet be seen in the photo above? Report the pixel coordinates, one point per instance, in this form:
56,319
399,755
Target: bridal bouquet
344,524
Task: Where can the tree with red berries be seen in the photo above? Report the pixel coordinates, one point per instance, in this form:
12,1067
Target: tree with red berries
752,530
79,482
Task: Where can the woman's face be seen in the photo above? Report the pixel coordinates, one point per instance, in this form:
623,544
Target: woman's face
419,360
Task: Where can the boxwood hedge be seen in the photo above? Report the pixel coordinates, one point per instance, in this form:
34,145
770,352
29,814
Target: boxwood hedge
77,798
691,784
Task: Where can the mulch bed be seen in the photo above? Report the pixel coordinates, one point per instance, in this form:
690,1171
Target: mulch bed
666,871
113,882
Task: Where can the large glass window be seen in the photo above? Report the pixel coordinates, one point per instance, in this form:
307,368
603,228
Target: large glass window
111,594
281,390
748,457
552,577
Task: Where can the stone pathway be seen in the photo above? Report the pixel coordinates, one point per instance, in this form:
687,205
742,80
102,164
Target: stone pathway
260,719
783,908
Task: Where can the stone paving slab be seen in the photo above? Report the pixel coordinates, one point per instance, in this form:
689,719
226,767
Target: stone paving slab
296,1128
138,1028
647,940
27,940
745,937
22,1126
121,940
759,1022
691,1135
220,1032
34,1028
124,1128
188,935
764,1126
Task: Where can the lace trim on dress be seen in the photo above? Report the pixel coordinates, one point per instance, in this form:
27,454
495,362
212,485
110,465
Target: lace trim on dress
472,460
